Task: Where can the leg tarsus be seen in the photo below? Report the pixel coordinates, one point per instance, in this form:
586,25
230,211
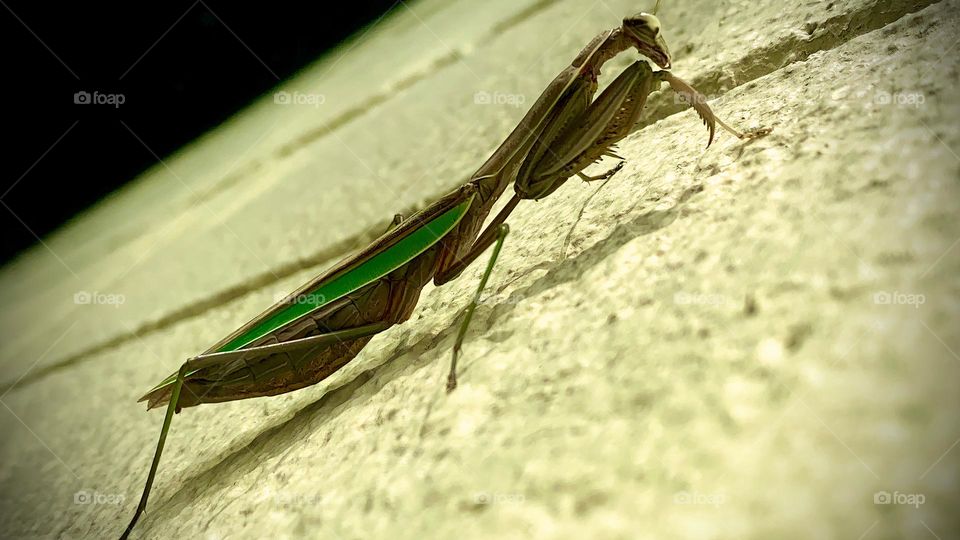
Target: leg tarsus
699,104
452,376
754,133
502,232
605,176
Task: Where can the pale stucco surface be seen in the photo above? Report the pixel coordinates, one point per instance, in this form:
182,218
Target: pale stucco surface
756,340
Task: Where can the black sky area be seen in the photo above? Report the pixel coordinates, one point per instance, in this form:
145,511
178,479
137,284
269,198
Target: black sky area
182,67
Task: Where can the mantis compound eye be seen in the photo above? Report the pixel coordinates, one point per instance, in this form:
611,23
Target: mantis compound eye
651,22
643,23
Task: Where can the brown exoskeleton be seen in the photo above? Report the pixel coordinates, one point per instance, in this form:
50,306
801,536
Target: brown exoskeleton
299,343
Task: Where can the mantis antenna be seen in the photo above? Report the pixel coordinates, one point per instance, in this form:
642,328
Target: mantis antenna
656,8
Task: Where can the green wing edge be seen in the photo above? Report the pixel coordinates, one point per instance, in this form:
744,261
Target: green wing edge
374,268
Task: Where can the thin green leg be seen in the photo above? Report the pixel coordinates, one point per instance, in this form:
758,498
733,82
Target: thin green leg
452,377
171,408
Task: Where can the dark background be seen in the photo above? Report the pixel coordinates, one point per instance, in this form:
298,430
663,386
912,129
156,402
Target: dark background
182,67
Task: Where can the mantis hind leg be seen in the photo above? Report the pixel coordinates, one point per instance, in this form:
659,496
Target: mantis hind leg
167,419
502,232
215,359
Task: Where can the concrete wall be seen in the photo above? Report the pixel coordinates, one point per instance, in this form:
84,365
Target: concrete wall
755,340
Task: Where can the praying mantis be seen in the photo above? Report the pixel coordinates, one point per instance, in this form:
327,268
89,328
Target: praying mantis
325,323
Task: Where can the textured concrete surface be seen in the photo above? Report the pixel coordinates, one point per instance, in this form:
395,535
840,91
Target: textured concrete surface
755,340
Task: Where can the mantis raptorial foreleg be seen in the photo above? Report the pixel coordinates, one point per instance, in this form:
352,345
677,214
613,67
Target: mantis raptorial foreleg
574,134
589,135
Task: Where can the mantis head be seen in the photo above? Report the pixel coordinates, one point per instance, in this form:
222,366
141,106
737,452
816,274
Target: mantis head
644,30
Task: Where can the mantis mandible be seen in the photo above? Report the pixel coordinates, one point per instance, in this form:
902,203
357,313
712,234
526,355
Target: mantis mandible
324,324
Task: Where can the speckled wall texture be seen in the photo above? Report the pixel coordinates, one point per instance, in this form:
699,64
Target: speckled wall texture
755,340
